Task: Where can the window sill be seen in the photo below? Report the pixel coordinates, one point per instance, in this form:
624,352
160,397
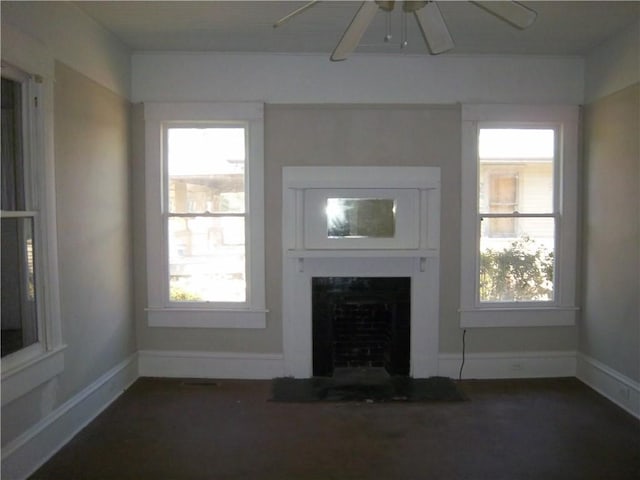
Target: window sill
24,378
206,318
518,317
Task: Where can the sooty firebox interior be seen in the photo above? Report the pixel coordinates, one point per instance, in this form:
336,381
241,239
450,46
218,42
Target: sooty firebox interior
361,322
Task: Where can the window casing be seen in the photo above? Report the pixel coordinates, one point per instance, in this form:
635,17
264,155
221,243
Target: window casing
205,215
28,222
515,212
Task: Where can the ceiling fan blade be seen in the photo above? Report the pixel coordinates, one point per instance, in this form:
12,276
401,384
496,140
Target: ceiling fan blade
354,31
511,12
297,11
434,30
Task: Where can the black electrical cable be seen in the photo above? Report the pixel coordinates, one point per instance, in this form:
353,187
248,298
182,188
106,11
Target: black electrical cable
464,332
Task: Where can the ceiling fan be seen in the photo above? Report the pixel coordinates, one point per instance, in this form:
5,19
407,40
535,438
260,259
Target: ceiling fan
429,19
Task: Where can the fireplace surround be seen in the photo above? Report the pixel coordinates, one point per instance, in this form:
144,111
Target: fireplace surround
408,248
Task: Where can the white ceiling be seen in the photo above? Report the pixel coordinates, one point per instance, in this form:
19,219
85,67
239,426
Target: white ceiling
561,28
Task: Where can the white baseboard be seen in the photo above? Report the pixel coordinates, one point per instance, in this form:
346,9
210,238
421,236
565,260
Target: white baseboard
618,388
188,364
26,453
508,365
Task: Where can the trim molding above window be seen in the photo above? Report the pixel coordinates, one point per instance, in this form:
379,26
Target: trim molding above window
205,215
537,220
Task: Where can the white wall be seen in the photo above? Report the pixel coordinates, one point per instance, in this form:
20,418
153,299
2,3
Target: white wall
295,86
68,35
90,72
613,65
610,329
609,334
278,78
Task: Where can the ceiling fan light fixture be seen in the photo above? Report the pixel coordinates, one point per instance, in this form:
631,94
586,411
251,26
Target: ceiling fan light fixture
403,31
296,12
387,35
428,16
434,29
386,5
352,35
514,13
412,6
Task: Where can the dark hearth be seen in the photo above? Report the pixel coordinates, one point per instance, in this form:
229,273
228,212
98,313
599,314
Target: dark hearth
365,385
361,322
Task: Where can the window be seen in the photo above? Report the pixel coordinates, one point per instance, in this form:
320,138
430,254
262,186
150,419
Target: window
18,286
206,212
502,194
519,216
31,340
205,215
517,235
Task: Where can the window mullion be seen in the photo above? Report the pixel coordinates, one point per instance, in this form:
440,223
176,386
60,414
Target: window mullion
206,215
517,215
19,214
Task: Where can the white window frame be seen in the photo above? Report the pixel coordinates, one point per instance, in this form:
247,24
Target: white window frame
23,60
562,311
160,311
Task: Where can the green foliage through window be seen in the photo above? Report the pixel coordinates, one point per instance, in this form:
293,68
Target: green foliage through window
523,272
181,294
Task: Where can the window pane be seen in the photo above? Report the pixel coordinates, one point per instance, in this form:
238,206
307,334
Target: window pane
19,312
206,170
207,261
12,175
516,170
360,217
520,267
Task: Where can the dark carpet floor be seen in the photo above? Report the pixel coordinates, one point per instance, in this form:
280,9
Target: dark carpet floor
228,429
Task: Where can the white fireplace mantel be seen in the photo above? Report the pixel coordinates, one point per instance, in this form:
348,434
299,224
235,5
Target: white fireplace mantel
413,251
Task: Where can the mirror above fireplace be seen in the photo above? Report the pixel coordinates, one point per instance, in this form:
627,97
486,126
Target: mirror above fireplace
390,211
348,218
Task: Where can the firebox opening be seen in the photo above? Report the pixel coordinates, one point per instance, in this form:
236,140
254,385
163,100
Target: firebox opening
361,322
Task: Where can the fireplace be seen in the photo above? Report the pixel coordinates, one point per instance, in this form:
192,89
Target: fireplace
361,322
361,269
